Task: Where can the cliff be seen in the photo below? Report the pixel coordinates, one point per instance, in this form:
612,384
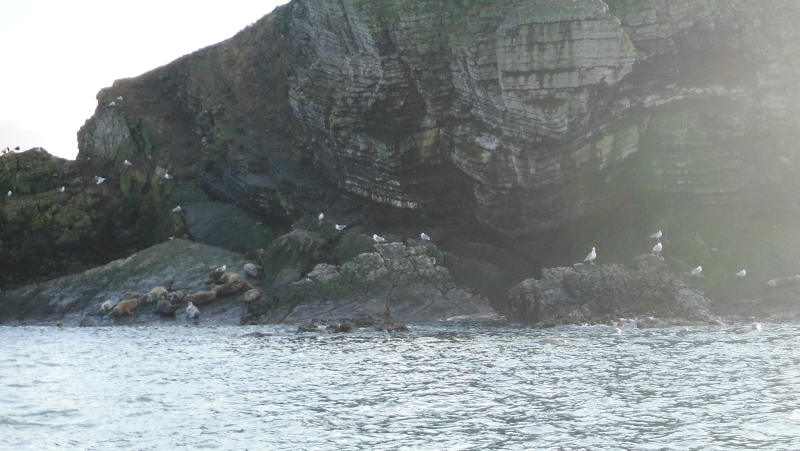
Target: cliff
521,132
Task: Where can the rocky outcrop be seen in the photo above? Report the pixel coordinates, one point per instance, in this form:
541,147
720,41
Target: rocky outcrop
395,281
548,122
380,288
604,294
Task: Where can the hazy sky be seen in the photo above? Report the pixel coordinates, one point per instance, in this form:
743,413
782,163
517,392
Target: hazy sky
55,55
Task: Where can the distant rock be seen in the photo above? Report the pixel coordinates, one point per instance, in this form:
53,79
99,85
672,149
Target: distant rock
602,294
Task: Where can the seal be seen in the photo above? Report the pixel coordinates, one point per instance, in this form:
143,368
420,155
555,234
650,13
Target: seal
155,295
253,254
252,295
165,308
107,307
784,282
176,297
214,277
192,312
231,283
253,271
202,297
125,307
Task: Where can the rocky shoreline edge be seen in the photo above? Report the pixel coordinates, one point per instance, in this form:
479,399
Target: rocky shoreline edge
383,290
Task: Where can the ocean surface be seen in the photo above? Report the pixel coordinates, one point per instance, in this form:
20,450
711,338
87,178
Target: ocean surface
438,387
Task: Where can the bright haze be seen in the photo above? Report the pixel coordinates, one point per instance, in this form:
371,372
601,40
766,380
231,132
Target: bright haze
56,55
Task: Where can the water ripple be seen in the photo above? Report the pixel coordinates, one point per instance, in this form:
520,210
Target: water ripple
441,386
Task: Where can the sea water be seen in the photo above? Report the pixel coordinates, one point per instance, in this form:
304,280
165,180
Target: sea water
438,387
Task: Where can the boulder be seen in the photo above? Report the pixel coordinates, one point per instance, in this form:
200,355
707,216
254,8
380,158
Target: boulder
604,293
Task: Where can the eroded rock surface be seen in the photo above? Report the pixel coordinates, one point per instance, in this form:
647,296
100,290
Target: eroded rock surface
395,281
602,294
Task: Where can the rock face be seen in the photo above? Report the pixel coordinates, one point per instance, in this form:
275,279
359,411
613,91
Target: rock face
535,128
394,284
605,293
395,281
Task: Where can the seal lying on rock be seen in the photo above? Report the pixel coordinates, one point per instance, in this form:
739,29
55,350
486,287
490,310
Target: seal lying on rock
166,308
784,282
252,295
253,254
231,283
107,307
253,271
192,312
129,295
125,307
214,277
176,296
202,297
155,295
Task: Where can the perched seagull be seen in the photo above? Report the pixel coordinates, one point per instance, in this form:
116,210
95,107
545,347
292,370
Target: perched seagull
617,330
128,163
756,326
112,104
590,258
741,273
340,227
17,148
119,98
167,176
99,179
222,268
172,238
176,209
657,248
697,271
378,239
656,235
321,216
424,236
9,193
63,188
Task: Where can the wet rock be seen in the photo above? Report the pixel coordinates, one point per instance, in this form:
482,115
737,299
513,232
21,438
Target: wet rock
594,294
395,281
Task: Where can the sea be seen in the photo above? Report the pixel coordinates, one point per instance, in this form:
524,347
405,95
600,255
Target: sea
439,387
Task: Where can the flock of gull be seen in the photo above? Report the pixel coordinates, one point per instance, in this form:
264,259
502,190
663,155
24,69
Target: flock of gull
697,272
375,237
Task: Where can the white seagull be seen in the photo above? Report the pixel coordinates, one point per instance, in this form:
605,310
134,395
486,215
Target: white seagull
656,235
321,216
176,209
9,193
128,163
99,179
63,188
119,98
340,227
424,236
617,330
167,176
756,326
112,104
222,268
377,238
657,248
697,271
741,273
590,258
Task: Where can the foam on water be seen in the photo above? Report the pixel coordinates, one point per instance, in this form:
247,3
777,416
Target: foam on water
440,387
